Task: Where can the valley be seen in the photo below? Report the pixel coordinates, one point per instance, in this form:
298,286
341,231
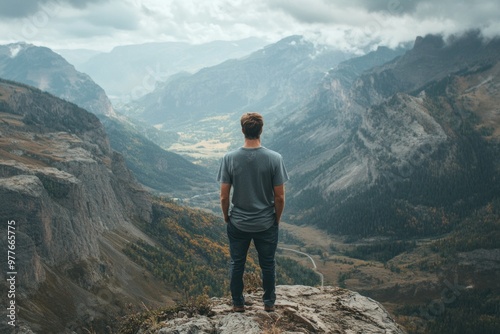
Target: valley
419,287
394,159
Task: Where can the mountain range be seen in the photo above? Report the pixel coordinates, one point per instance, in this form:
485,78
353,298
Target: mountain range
373,143
159,170
205,107
394,152
91,244
276,77
398,148
131,71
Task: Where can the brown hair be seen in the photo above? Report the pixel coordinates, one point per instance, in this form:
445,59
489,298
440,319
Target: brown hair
251,124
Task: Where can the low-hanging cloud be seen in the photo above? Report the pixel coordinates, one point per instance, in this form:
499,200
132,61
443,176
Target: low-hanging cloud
357,24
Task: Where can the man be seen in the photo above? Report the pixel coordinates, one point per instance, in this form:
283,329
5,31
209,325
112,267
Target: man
257,177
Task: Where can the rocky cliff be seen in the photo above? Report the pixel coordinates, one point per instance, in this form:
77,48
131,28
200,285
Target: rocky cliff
299,309
385,151
74,203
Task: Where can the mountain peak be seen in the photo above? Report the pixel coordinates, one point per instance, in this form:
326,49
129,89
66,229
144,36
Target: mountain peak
13,49
41,67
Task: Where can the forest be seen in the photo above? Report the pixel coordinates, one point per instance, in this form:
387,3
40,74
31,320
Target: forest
191,252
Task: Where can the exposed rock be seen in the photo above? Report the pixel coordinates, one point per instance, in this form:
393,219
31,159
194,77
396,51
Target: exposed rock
74,203
299,309
369,149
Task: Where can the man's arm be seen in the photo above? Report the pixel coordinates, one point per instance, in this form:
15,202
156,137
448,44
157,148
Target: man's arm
225,189
279,201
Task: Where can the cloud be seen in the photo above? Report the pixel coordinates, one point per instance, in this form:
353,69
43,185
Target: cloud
24,8
116,15
356,24
348,24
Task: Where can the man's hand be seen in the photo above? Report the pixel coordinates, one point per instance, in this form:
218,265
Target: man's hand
279,201
225,190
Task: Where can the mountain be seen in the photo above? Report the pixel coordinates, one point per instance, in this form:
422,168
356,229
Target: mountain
274,78
407,149
204,108
42,68
154,167
131,71
77,57
72,203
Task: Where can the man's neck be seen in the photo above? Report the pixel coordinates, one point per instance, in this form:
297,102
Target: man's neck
251,143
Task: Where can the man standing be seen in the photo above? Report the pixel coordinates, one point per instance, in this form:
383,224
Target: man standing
257,177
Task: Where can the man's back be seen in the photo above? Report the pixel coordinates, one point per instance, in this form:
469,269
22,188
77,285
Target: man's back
253,173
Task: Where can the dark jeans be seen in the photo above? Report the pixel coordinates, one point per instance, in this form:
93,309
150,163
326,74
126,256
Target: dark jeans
265,243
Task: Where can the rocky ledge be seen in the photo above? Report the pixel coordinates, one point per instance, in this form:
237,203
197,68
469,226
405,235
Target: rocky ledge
299,309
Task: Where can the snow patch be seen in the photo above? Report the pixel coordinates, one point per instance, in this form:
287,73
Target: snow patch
14,50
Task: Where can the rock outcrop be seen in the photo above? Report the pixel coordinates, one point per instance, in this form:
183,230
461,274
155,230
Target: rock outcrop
299,309
74,204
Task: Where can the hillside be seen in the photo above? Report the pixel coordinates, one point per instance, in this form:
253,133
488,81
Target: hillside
399,164
42,68
369,159
159,170
72,200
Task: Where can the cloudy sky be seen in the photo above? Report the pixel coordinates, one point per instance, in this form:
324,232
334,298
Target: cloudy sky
349,24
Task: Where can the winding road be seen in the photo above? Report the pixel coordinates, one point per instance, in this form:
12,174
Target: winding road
310,258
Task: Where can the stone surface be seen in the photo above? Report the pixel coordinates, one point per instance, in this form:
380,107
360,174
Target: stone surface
299,309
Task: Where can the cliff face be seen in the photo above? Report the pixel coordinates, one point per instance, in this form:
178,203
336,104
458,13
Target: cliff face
299,309
374,153
71,197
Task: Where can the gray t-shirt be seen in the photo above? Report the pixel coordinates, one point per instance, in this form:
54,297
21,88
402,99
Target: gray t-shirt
253,174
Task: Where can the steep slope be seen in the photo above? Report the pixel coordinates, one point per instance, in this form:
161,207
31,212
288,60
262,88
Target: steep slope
71,197
407,148
155,168
42,68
